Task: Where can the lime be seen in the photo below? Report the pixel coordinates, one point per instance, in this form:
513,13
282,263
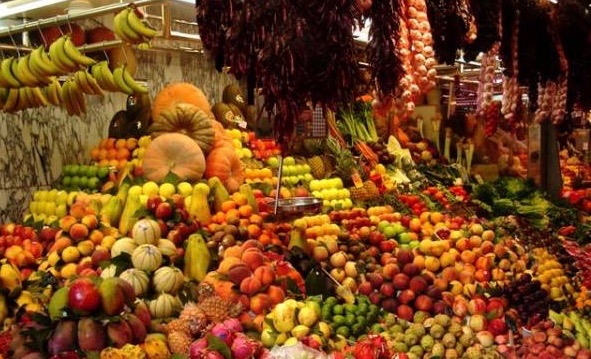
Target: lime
83,182
91,171
339,320
82,170
338,309
67,181
75,182
94,183
377,328
357,329
351,319
350,308
331,300
361,320
102,172
326,313
362,308
343,330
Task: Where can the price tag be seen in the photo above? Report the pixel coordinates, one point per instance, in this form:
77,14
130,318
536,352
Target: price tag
242,124
357,180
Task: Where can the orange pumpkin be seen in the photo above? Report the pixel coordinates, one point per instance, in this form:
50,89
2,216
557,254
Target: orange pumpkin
220,137
180,92
224,163
176,153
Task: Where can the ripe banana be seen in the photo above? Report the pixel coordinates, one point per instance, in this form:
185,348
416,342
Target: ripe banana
11,100
120,81
55,70
94,84
138,26
77,98
6,68
23,72
197,258
39,96
123,29
66,100
53,92
82,82
104,76
75,55
38,64
131,83
59,57
23,100
3,95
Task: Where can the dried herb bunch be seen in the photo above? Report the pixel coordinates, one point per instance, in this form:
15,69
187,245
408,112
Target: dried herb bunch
487,15
382,53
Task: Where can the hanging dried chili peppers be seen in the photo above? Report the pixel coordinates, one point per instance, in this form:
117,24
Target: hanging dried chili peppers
487,17
451,24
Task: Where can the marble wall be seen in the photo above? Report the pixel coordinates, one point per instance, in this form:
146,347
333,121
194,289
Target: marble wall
35,144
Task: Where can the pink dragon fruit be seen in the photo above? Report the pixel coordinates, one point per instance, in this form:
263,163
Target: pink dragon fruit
212,354
242,347
197,347
222,332
233,325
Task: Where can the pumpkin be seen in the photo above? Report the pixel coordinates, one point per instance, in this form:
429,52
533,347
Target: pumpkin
176,153
168,280
109,272
146,257
221,137
186,119
146,231
167,248
165,306
125,244
180,92
138,279
224,163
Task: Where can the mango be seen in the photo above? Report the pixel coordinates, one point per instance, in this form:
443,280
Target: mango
91,335
119,333
63,337
57,303
112,297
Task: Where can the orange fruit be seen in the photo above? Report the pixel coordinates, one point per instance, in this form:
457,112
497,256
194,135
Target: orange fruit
254,231
94,154
131,143
232,215
245,210
120,143
228,205
256,219
112,153
123,153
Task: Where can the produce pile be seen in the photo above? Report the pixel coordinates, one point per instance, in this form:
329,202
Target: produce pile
168,246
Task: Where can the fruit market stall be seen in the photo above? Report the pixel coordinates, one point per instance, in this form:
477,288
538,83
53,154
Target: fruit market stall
167,242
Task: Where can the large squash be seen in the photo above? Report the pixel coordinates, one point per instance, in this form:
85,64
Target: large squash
176,153
188,120
179,92
224,163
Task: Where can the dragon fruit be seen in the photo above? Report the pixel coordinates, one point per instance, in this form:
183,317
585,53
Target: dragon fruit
197,347
242,348
211,354
222,332
233,325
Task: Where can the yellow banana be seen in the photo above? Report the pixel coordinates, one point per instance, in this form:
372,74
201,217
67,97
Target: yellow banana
66,100
53,91
138,26
77,98
40,96
197,258
104,76
75,55
10,279
3,95
82,83
38,65
132,84
55,70
6,68
96,89
23,72
11,100
58,56
26,99
118,77
122,28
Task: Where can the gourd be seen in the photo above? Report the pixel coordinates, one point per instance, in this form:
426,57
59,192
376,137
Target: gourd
168,280
175,93
167,248
186,119
125,244
164,306
146,257
146,231
173,153
224,163
138,279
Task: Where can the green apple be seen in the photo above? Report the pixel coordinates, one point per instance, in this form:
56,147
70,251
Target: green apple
414,244
83,182
92,171
166,190
289,161
75,170
75,182
382,225
390,232
94,183
272,162
306,168
150,188
398,228
308,177
67,181
404,238
103,172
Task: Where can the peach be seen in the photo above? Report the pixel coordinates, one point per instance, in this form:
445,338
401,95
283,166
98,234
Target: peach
96,236
483,263
265,275
78,231
320,253
390,270
497,274
482,275
259,303
447,259
462,244
419,261
475,241
227,263
250,285
466,277
238,272
450,274
252,243
488,235
78,210
59,244
276,294
440,283
487,247
468,256
234,251
86,247
90,220
67,222
432,264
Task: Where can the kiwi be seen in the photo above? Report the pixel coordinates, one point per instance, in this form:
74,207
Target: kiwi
233,94
223,114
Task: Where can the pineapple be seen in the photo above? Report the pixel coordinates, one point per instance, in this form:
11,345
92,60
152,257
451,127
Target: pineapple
218,309
195,318
204,290
317,167
179,342
179,325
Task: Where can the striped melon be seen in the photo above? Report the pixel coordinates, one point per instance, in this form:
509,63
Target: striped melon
138,279
168,280
146,231
146,257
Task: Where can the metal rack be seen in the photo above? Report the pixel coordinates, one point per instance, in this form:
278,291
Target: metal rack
167,39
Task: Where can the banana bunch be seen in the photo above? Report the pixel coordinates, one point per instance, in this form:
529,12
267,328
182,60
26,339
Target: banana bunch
66,56
87,83
18,99
130,28
73,98
119,80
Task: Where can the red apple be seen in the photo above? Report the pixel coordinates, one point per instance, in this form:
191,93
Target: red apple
76,32
495,308
99,34
404,257
476,306
404,312
497,326
365,288
387,290
47,234
99,255
178,200
400,281
389,305
424,303
163,211
375,238
406,296
375,297
375,279
84,296
153,203
411,269
387,246
418,284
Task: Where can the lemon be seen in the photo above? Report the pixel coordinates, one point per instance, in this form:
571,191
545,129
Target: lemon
185,189
135,190
150,188
166,190
300,331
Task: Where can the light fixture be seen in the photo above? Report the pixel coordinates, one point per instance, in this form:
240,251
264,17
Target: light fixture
16,7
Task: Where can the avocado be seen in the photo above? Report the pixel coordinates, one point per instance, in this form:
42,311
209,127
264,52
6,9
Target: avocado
233,94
